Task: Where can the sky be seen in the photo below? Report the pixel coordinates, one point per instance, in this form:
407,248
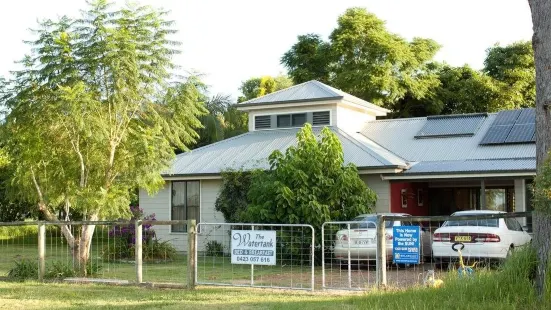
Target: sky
229,41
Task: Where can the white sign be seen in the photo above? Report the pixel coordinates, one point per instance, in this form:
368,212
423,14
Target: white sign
256,247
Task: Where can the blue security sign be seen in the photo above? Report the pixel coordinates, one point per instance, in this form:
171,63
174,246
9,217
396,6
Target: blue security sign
406,244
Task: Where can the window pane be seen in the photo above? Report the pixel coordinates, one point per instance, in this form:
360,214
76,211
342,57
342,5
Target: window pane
299,119
193,200
178,205
284,121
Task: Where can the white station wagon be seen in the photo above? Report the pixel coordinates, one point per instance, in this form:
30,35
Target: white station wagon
483,238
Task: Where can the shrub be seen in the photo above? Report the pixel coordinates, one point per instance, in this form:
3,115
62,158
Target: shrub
214,248
232,201
158,250
59,270
24,269
124,244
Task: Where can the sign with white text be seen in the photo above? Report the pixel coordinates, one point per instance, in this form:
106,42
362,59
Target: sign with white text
256,247
406,244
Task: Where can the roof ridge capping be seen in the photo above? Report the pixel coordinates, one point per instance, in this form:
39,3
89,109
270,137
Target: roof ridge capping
484,114
316,83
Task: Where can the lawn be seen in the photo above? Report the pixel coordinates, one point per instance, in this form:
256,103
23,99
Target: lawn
482,292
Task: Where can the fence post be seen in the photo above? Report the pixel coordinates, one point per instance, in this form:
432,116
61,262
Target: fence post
41,251
138,250
192,247
381,252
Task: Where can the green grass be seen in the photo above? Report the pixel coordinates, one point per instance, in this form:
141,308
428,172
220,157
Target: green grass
486,291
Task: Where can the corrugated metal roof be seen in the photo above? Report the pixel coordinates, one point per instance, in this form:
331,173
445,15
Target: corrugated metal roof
309,91
398,137
451,125
251,150
473,166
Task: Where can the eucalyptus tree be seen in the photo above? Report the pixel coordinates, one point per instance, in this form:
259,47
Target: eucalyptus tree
95,112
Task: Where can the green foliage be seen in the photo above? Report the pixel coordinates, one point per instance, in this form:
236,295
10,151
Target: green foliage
223,120
232,200
60,270
27,269
363,58
260,86
24,269
308,59
465,90
91,115
214,248
308,184
152,250
513,66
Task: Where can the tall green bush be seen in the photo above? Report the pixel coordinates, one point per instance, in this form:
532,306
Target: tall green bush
309,184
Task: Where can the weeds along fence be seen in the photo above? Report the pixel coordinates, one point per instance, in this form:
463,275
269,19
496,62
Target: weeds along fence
401,252
120,251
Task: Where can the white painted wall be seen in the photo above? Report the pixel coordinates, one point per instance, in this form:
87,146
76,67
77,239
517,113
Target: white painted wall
381,188
350,119
159,204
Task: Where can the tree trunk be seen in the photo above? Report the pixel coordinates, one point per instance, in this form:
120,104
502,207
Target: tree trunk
541,42
81,249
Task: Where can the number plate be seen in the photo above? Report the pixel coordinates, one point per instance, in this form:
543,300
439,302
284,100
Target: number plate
462,239
364,241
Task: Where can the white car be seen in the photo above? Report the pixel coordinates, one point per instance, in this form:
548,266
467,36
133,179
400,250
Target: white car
483,238
361,240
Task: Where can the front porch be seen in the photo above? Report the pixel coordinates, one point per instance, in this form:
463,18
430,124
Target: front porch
445,196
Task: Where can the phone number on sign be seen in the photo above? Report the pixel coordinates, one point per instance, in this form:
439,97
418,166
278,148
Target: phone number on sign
254,259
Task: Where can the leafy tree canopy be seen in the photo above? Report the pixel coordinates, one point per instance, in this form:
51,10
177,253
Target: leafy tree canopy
363,58
92,113
513,66
259,86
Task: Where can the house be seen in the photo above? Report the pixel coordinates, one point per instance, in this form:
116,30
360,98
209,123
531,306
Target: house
423,166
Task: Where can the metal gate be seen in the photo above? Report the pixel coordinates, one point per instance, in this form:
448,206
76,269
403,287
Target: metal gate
287,263
349,255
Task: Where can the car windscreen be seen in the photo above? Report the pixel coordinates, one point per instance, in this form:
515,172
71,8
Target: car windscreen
472,222
368,222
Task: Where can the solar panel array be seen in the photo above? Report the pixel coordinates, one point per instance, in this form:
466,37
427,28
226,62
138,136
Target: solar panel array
451,125
514,126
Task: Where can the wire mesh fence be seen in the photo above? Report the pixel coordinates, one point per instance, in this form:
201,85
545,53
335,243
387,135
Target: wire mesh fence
110,254
264,255
349,254
388,250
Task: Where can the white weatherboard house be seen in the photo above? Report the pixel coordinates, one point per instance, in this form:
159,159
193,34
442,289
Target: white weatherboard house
422,166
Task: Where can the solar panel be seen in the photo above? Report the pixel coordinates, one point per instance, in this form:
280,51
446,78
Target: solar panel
451,125
527,116
507,117
496,134
512,126
521,133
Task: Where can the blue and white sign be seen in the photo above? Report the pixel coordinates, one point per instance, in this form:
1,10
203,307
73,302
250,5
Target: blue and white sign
406,244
